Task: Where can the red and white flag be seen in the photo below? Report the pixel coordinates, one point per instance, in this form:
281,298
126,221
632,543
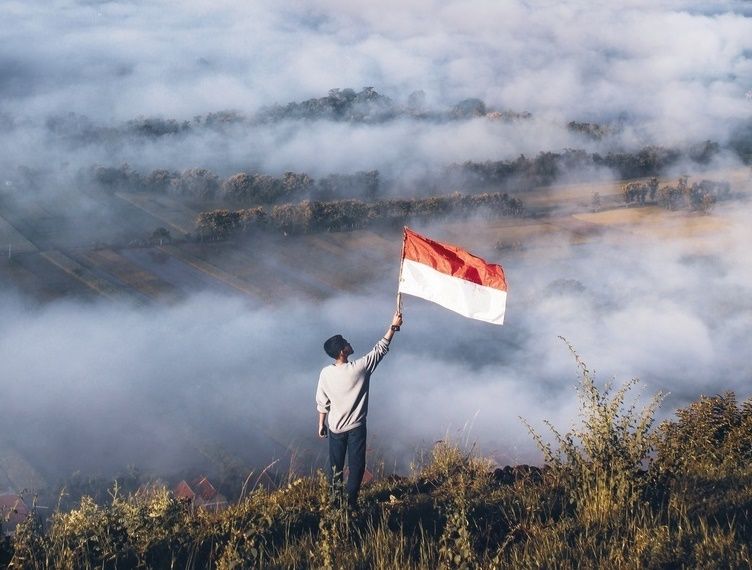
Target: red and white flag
453,278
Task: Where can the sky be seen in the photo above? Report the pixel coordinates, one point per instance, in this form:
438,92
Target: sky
98,386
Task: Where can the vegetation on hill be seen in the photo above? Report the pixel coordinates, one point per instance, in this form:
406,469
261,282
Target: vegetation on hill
242,189
615,492
366,106
344,215
245,189
545,168
699,196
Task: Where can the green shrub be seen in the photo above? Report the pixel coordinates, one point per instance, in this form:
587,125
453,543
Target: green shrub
713,434
601,466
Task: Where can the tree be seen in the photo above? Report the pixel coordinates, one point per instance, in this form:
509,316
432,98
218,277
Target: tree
294,185
161,235
159,180
469,108
198,183
238,188
114,178
217,224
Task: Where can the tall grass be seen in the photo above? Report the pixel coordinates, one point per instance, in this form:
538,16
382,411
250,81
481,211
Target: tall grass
615,492
603,464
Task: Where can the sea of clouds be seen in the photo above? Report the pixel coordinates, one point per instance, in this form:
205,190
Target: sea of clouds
102,385
99,386
667,72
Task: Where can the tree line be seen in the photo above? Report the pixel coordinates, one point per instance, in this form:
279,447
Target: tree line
698,196
344,215
364,106
544,169
245,189
339,105
241,189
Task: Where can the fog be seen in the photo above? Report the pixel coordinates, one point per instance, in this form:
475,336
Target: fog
99,386
403,148
116,60
664,72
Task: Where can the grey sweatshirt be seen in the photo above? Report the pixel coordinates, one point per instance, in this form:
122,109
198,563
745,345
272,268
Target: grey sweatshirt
343,389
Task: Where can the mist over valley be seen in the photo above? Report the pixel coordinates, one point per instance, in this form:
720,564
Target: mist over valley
141,328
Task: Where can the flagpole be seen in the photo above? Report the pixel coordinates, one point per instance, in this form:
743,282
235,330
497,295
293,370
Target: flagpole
399,279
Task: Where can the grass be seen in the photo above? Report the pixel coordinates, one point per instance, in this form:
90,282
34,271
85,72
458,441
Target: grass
616,491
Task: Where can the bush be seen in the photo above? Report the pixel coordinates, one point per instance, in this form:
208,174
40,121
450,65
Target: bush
602,465
711,435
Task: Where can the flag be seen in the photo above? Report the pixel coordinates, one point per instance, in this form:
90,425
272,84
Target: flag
453,278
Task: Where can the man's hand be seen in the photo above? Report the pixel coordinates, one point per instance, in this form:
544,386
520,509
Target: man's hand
322,425
397,319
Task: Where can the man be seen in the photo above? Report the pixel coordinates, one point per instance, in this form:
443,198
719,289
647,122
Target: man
342,394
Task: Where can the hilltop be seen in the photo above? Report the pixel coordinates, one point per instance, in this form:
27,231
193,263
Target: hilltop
616,492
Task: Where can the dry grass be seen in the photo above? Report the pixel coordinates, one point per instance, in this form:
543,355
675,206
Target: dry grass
657,222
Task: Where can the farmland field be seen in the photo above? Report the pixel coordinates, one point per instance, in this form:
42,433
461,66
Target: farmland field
47,263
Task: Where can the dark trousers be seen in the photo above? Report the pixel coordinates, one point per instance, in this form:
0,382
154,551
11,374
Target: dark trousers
352,442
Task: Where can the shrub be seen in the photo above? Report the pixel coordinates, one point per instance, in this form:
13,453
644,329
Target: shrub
601,465
711,435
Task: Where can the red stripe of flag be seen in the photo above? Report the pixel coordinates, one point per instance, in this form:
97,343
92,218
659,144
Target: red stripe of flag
452,260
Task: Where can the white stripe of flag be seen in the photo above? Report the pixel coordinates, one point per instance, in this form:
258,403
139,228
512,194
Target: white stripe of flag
453,278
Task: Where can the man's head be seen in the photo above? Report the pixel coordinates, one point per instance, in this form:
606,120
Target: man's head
335,345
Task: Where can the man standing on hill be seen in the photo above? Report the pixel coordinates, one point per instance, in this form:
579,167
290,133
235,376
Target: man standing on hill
342,394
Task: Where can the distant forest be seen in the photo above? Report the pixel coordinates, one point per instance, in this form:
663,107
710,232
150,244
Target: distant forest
341,105
298,202
246,189
344,215
252,188
700,196
366,106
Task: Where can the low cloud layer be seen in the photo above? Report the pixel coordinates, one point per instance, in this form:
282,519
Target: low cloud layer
663,61
668,72
101,386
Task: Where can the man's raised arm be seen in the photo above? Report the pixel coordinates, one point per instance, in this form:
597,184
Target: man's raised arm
372,359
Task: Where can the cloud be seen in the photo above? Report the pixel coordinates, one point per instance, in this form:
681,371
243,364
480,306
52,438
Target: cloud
103,385
679,71
73,74
99,386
